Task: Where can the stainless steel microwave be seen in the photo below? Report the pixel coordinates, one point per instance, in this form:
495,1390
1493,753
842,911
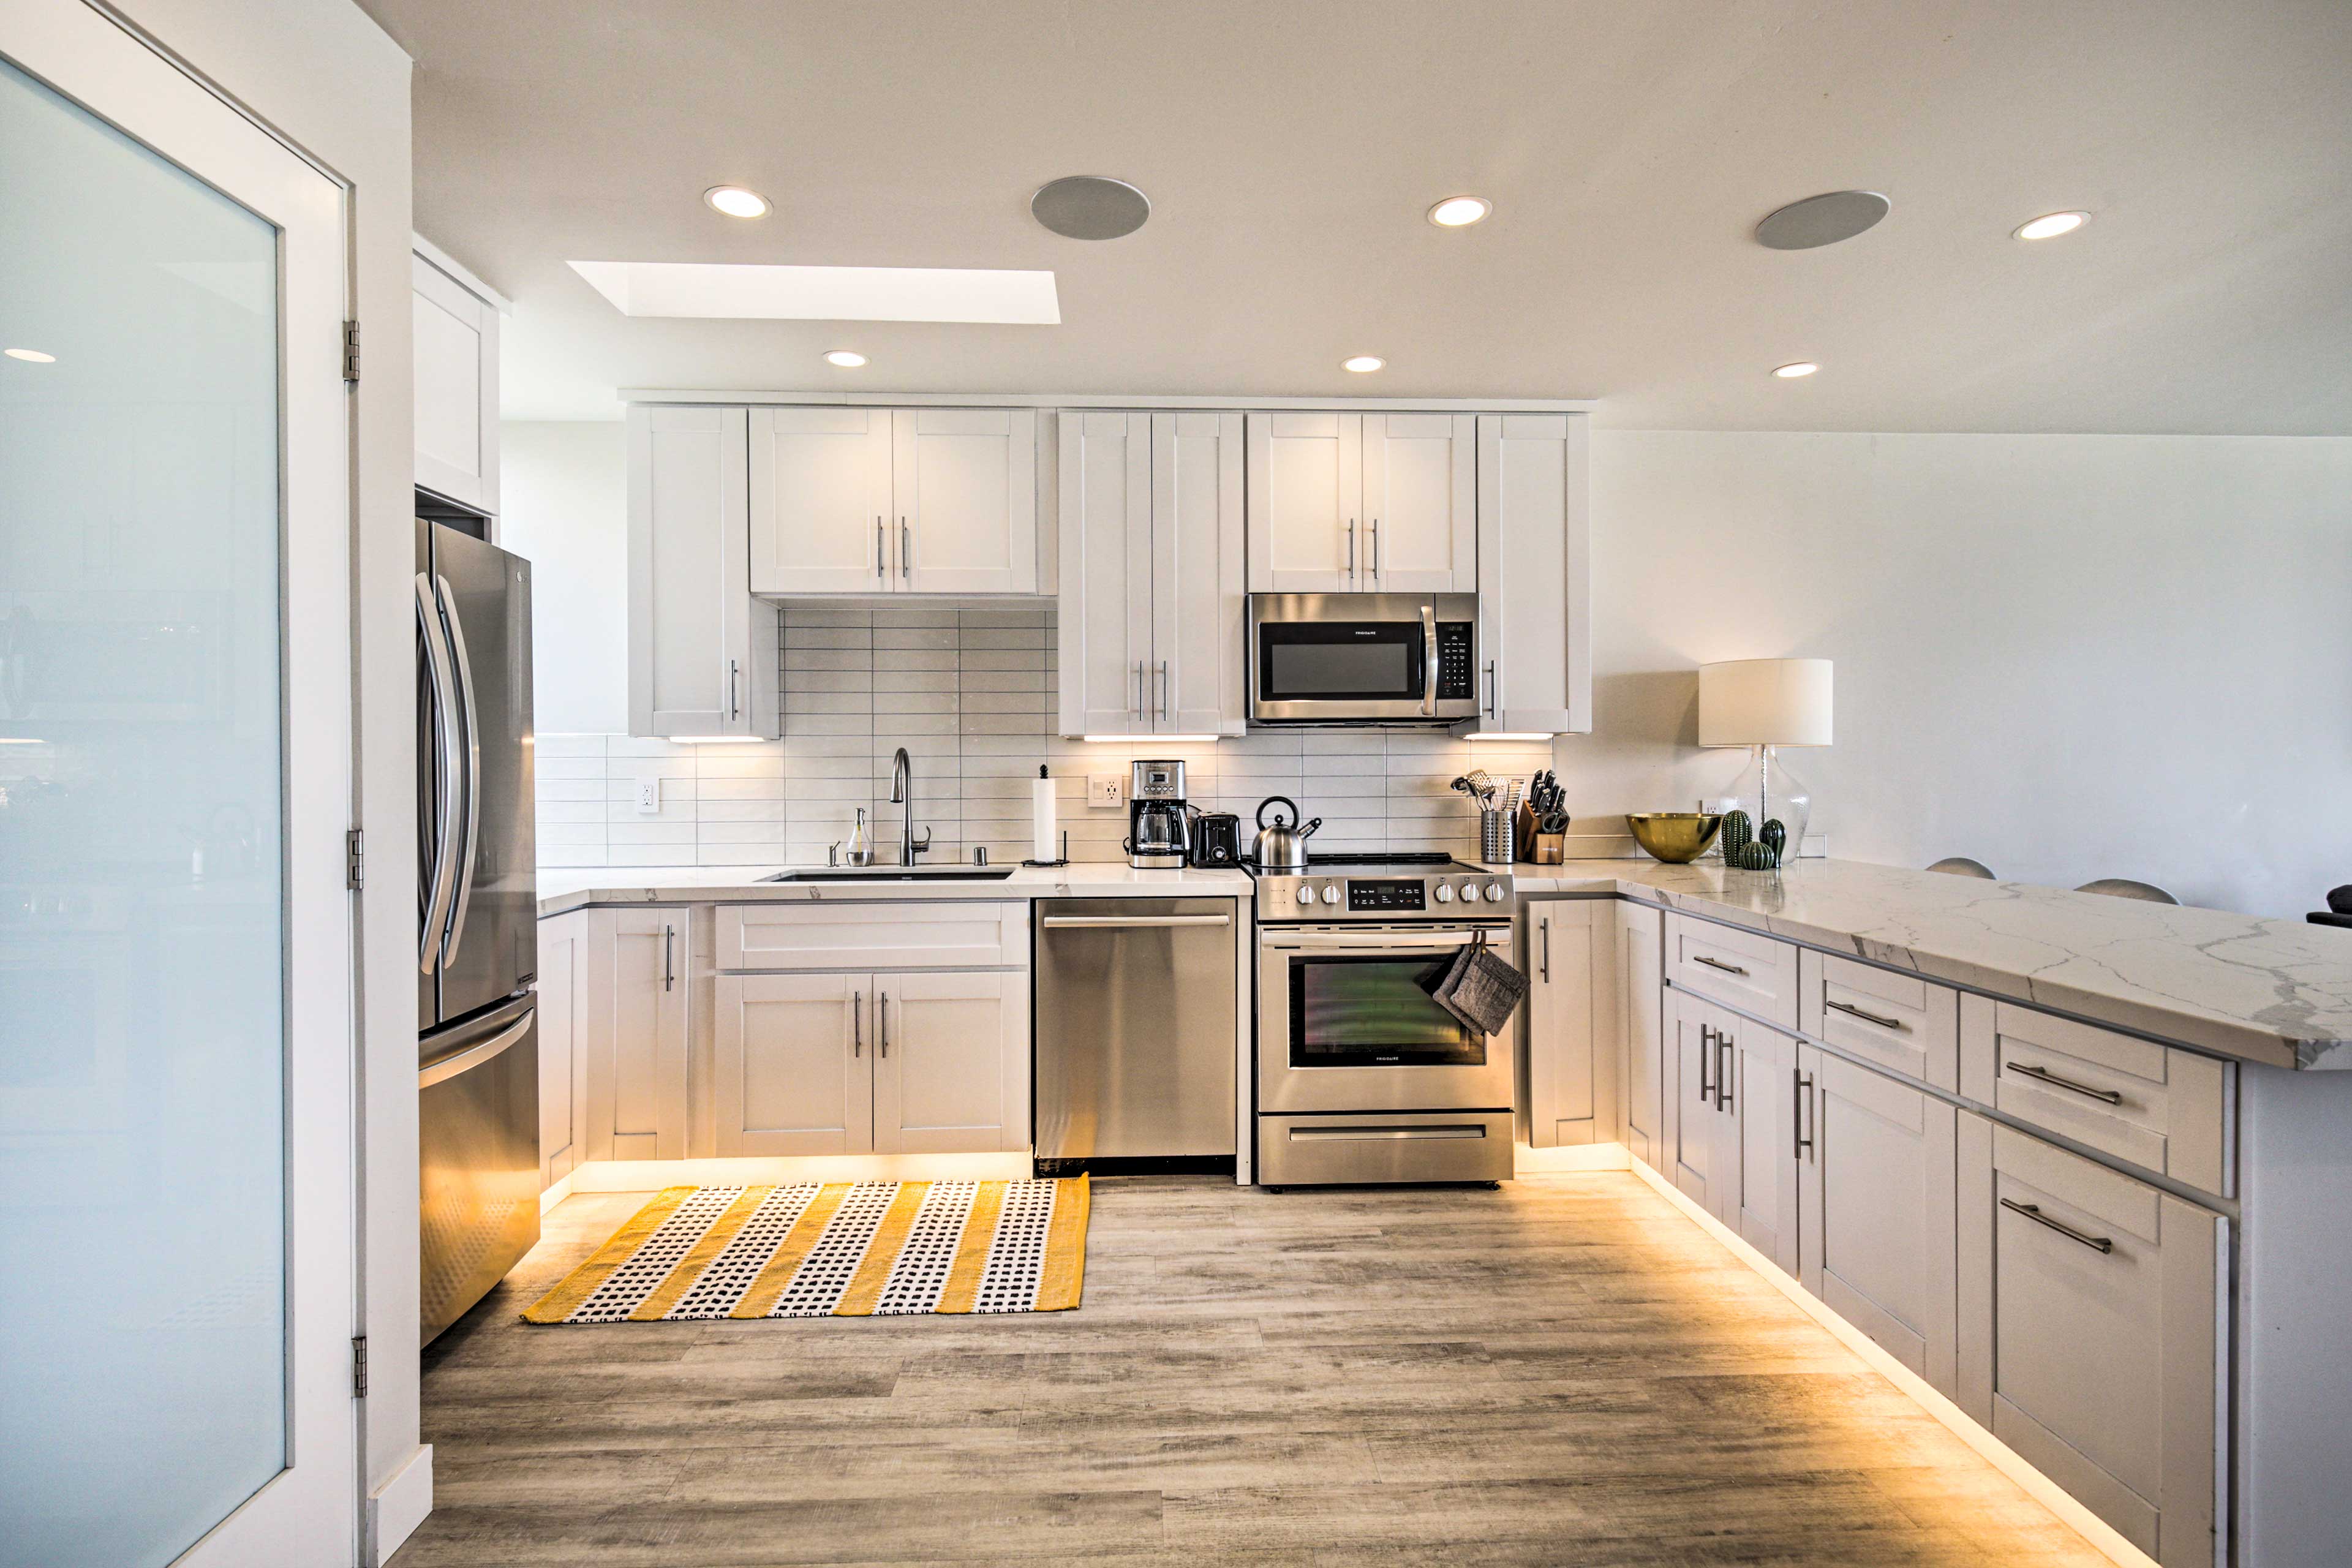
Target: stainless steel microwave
1363,659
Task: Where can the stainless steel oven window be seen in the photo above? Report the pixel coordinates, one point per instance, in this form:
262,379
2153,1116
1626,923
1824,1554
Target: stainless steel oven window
1356,1011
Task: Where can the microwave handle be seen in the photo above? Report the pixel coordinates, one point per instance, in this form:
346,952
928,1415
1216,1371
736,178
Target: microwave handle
1428,661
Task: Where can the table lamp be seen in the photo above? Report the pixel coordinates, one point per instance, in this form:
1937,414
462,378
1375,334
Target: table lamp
1763,704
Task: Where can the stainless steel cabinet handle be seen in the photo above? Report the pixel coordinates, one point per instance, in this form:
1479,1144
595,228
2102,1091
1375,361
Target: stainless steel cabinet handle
669,968
472,838
1163,689
2041,1074
1373,528
1716,964
1428,660
1132,922
857,1023
1705,1054
1854,1012
1351,550
906,551
1138,689
2101,1244
734,704
1722,1071
1543,929
1490,689
1804,1103
882,1018
879,572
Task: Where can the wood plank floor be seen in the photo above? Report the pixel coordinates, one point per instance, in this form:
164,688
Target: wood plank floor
1564,1371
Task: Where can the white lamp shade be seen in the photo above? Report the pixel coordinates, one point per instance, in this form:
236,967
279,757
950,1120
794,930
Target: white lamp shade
1764,702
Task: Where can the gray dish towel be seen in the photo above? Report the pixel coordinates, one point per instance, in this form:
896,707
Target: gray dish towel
1481,989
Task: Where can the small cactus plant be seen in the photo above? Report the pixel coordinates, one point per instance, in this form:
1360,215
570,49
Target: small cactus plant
1748,851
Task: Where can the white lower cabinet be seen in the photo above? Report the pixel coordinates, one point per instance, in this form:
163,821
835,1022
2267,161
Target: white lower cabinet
562,1047
636,1034
1570,955
1641,1027
2093,1333
1734,1123
905,1062
1874,1210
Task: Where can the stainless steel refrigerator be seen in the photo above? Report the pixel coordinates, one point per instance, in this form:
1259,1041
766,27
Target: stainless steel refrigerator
477,909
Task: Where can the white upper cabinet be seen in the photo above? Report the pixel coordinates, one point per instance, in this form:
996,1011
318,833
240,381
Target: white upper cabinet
1151,573
820,500
907,501
455,345
702,650
1362,503
1535,636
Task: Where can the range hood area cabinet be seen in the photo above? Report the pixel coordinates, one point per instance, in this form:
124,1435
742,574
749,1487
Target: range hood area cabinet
1361,503
702,649
893,500
1535,595
1151,605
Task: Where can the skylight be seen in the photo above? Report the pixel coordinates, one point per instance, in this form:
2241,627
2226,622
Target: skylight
734,292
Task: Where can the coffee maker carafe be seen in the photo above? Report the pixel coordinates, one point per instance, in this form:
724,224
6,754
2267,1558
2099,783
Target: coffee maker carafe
1159,830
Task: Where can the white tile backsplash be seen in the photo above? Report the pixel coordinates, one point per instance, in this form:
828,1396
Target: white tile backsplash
970,695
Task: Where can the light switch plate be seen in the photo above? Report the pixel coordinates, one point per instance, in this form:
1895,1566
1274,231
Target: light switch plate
1105,789
649,794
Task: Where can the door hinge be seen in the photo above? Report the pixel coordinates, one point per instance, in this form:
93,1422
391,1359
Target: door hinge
351,351
354,860
358,1367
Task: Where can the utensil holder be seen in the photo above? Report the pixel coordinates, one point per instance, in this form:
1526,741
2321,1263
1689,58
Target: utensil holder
1494,837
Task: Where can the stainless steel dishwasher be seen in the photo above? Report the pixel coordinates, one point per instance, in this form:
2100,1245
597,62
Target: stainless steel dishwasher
1136,1028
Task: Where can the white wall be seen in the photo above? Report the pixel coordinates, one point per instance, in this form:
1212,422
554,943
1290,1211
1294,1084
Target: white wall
2067,657
563,489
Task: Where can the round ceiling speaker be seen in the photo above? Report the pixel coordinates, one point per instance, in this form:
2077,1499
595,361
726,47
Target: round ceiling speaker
1090,206
1820,220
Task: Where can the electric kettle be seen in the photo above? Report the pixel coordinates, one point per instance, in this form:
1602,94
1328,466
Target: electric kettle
1282,846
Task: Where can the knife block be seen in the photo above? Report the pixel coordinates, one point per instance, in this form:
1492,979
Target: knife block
1535,847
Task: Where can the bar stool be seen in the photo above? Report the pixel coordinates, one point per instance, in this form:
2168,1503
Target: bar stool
2125,888
1961,866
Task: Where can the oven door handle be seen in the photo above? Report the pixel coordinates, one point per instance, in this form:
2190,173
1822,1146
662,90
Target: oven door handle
1377,944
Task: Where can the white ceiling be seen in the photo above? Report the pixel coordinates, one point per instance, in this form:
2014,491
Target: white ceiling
1290,147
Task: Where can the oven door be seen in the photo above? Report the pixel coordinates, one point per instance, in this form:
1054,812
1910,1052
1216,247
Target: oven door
1346,1022
1353,659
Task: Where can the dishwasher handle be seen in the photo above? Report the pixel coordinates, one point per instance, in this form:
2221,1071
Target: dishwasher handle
1130,922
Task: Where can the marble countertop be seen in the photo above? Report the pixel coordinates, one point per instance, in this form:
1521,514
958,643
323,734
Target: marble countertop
562,889
2271,991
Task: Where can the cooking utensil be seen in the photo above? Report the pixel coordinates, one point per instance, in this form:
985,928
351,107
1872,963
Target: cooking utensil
1282,844
1676,837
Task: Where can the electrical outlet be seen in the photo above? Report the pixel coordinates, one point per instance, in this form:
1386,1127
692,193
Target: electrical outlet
1105,789
649,794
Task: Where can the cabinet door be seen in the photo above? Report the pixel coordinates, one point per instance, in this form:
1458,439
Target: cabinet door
1534,633
2094,1333
1571,1004
1306,498
793,1064
702,651
1421,524
563,971
1105,573
1197,603
456,350
1757,1155
636,1035
1693,1115
964,486
820,495
952,1062
1876,1210
1641,998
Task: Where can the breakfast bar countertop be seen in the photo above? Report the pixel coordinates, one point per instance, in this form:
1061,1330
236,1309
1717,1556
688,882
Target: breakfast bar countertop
2276,992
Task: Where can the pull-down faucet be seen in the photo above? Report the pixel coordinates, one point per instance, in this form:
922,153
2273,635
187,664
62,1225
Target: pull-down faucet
902,793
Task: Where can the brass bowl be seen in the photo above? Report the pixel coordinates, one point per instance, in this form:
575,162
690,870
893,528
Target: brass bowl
1676,837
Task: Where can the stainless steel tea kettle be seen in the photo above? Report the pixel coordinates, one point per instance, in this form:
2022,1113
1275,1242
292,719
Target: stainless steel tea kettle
1282,846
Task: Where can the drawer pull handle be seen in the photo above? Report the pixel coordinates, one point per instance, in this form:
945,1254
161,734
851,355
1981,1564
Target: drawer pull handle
2099,1244
1851,1011
1716,964
2039,1075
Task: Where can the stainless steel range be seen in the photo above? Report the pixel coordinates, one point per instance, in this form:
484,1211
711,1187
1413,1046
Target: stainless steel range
1362,1075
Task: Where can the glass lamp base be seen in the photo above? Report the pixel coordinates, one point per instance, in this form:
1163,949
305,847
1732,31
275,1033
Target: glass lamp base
1768,791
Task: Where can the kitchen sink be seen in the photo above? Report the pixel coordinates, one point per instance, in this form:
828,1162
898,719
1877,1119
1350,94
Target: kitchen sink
898,874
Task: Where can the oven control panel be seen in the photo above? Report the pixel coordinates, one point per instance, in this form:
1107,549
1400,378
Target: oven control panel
1386,895
1457,893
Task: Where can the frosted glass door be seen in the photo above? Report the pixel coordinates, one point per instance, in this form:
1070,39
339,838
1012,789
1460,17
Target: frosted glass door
168,1010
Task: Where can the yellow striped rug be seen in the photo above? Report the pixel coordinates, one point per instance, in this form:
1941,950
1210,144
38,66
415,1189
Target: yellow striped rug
849,1249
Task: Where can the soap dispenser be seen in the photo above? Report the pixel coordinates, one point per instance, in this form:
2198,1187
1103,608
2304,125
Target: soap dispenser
861,842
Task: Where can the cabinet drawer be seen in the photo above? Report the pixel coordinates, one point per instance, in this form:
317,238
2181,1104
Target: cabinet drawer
2091,1333
873,936
1899,1023
1742,969
2157,1107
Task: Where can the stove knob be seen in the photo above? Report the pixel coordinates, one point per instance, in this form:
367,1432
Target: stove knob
1469,892
1331,893
1494,892
1445,893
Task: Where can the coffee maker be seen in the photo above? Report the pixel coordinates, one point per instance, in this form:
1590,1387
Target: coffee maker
1159,830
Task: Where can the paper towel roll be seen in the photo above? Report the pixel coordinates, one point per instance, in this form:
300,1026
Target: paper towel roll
1041,816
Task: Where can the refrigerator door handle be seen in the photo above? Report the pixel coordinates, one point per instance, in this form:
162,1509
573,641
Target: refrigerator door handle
471,838
473,1057
437,887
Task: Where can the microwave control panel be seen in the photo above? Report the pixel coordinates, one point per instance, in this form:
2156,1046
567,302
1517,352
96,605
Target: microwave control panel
1455,679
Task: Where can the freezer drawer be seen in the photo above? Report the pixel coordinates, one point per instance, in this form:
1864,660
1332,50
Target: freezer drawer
477,1157
1344,1149
1136,1028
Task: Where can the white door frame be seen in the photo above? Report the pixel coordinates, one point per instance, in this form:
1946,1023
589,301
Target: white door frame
310,1512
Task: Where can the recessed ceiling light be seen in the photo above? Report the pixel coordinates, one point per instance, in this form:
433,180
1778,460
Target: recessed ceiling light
31,356
848,359
735,201
1363,364
1791,372
2050,226
1460,212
